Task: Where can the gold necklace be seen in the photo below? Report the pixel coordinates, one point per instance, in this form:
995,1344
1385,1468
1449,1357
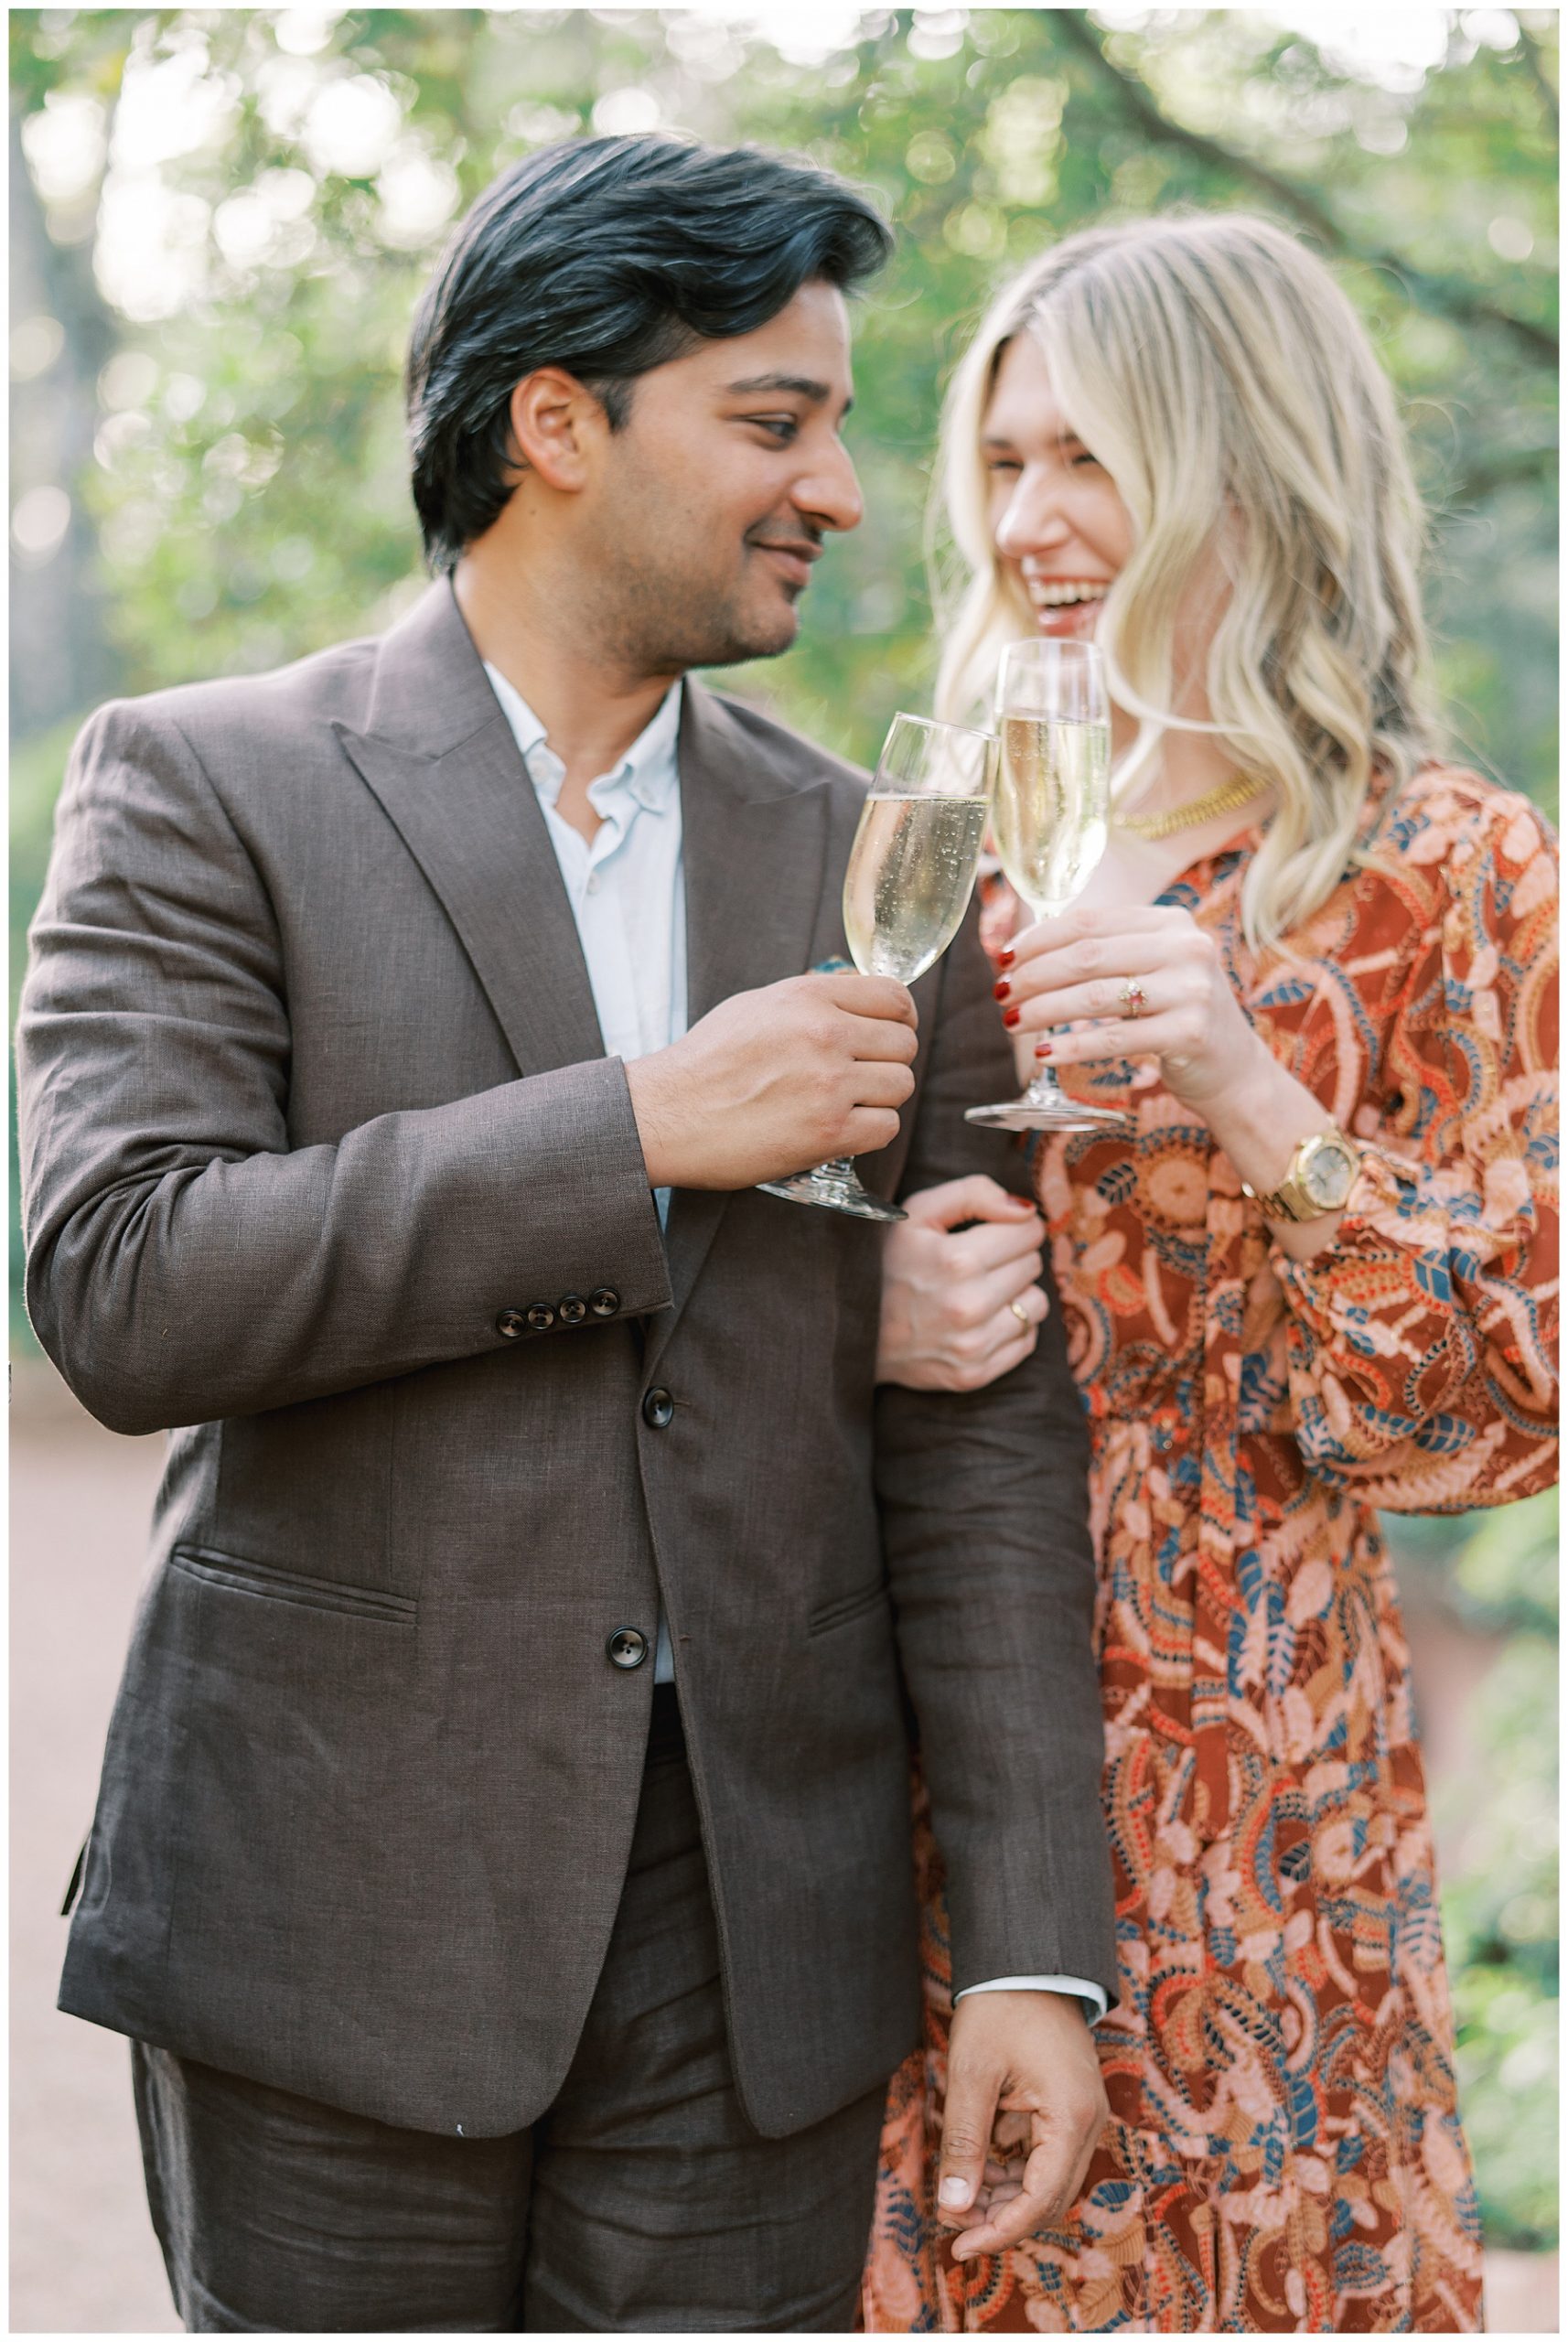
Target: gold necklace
1226,798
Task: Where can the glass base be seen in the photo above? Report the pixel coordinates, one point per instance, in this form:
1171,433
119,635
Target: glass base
834,1187
1059,1113
1046,1106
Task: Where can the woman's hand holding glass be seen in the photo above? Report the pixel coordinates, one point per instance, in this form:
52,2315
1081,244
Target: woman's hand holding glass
1095,985
1101,983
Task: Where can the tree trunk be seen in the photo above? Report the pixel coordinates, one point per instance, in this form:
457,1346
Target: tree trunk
62,659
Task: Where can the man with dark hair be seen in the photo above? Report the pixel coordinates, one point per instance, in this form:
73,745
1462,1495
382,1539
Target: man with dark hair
502,1860
608,258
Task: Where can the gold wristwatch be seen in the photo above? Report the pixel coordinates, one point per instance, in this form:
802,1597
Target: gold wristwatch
1321,1175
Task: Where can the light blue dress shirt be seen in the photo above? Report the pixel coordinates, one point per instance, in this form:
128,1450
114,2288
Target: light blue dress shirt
627,887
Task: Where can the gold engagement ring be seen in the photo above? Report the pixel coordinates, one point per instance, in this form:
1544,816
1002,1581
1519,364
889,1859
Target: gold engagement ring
1019,1312
1135,999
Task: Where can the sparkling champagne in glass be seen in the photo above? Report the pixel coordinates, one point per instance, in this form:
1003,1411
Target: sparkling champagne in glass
1050,819
910,875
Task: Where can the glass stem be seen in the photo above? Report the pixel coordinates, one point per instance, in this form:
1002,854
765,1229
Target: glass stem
1044,1089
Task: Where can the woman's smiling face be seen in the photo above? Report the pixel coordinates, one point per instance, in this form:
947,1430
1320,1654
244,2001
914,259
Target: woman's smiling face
1057,519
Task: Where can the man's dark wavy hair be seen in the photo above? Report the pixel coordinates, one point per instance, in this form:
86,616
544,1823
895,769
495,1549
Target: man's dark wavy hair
606,256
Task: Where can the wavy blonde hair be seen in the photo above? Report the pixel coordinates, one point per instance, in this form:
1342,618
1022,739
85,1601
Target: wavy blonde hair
1222,378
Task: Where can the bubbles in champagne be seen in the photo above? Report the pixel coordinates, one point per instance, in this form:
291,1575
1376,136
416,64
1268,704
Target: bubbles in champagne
1052,808
910,874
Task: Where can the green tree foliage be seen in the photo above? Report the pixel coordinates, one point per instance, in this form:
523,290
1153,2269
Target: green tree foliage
1500,1913
1494,1574
247,483
223,219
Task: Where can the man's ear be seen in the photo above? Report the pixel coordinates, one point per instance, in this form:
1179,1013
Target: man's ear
556,424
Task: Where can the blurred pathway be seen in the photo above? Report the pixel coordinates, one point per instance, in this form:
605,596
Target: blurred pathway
83,2259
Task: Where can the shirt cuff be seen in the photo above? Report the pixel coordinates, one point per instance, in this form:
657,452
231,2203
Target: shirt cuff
1095,2001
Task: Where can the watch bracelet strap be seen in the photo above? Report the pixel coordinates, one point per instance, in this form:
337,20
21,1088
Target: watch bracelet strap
1279,1207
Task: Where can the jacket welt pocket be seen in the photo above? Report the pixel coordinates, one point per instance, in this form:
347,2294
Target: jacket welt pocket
275,1584
849,1606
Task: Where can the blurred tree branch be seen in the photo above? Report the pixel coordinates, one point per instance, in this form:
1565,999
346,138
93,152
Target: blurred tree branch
1444,296
1512,468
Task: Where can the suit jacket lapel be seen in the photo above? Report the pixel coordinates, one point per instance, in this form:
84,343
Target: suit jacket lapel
754,845
439,754
754,840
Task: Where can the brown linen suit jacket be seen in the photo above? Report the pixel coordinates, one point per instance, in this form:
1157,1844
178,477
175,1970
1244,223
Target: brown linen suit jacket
320,1142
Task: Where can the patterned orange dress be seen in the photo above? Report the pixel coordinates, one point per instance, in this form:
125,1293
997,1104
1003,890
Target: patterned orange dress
1284,2151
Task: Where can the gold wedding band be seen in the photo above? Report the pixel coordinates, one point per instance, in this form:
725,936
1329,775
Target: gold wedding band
1135,999
1019,1312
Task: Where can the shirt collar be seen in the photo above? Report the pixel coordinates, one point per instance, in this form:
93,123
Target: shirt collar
647,772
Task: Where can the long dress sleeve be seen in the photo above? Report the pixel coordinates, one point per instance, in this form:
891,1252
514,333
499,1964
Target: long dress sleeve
1422,1343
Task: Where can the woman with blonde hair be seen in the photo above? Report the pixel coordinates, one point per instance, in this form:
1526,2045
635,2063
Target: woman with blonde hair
1314,1274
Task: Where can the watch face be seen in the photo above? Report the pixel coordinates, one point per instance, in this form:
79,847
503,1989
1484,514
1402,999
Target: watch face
1328,1174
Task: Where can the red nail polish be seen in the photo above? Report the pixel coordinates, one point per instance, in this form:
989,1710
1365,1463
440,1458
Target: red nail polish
1042,1048
1005,959
1001,991
1010,1017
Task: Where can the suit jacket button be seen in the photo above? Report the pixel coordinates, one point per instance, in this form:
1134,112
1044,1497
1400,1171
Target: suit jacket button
658,1408
604,1303
511,1323
541,1316
572,1309
626,1648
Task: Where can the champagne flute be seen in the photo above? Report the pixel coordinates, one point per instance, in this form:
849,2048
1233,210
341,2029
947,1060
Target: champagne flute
1050,817
910,875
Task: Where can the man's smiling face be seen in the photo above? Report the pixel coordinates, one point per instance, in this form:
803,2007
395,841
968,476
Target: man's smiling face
712,499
